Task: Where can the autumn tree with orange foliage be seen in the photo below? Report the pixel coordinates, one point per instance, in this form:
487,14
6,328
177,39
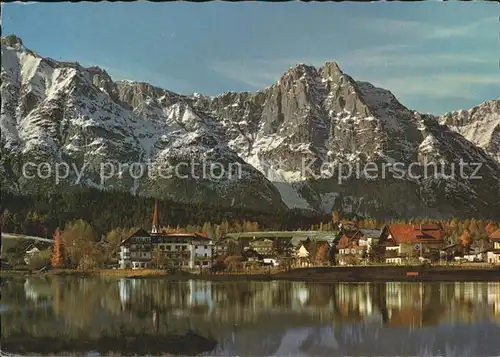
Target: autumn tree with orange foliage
57,259
322,253
466,239
336,218
490,228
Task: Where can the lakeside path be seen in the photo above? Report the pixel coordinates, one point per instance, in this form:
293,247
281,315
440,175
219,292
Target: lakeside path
321,274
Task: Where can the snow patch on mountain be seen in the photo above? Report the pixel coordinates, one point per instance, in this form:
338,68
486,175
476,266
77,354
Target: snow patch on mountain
480,125
310,122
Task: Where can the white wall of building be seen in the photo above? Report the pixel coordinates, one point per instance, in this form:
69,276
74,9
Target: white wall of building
493,258
200,250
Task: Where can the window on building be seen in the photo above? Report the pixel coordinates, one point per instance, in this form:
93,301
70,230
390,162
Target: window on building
195,247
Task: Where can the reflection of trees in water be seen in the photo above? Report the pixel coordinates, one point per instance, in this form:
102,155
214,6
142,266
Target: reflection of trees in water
91,306
432,309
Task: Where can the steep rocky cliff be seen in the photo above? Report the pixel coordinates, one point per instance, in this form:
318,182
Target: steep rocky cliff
286,146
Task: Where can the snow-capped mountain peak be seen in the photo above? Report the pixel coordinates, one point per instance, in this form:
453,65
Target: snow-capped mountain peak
317,117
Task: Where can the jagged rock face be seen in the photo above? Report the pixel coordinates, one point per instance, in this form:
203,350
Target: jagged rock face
281,139
480,125
53,112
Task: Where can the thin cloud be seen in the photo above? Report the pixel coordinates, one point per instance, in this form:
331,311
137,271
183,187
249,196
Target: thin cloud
427,31
141,75
255,74
364,58
438,86
259,73
25,3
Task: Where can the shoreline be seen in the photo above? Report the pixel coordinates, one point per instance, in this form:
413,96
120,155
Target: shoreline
318,274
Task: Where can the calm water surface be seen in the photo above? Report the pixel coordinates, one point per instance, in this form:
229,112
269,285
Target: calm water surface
254,318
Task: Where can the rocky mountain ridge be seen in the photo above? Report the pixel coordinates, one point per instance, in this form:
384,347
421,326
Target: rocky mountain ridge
289,141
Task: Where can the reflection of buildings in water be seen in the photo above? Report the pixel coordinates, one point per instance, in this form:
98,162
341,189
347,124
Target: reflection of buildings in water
266,296
30,291
427,304
471,291
35,292
399,295
355,299
404,304
300,295
219,295
126,286
493,296
446,293
200,294
471,302
400,304
406,317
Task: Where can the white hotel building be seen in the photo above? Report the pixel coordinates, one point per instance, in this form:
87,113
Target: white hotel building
156,249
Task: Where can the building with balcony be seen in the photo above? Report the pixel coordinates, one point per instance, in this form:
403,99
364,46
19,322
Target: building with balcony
182,250
493,255
157,249
405,242
136,250
357,245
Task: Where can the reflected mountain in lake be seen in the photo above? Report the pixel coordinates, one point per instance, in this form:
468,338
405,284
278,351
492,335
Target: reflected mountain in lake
151,316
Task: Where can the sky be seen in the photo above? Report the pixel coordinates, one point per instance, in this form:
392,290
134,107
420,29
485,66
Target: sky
433,56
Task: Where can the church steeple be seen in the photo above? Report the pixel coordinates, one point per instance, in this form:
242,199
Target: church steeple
156,225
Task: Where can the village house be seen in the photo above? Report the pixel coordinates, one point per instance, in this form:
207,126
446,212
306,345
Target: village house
136,251
306,253
30,253
251,255
302,256
495,239
158,249
405,242
264,247
220,247
493,255
452,252
475,255
357,245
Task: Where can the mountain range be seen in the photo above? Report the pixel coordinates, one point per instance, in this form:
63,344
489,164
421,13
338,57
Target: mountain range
292,144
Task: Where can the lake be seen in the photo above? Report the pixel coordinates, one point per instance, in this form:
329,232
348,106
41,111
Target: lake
93,316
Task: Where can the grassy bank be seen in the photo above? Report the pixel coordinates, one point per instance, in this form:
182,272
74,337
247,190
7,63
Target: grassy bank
322,274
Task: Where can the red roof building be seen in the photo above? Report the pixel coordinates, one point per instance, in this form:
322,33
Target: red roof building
414,233
495,235
406,241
